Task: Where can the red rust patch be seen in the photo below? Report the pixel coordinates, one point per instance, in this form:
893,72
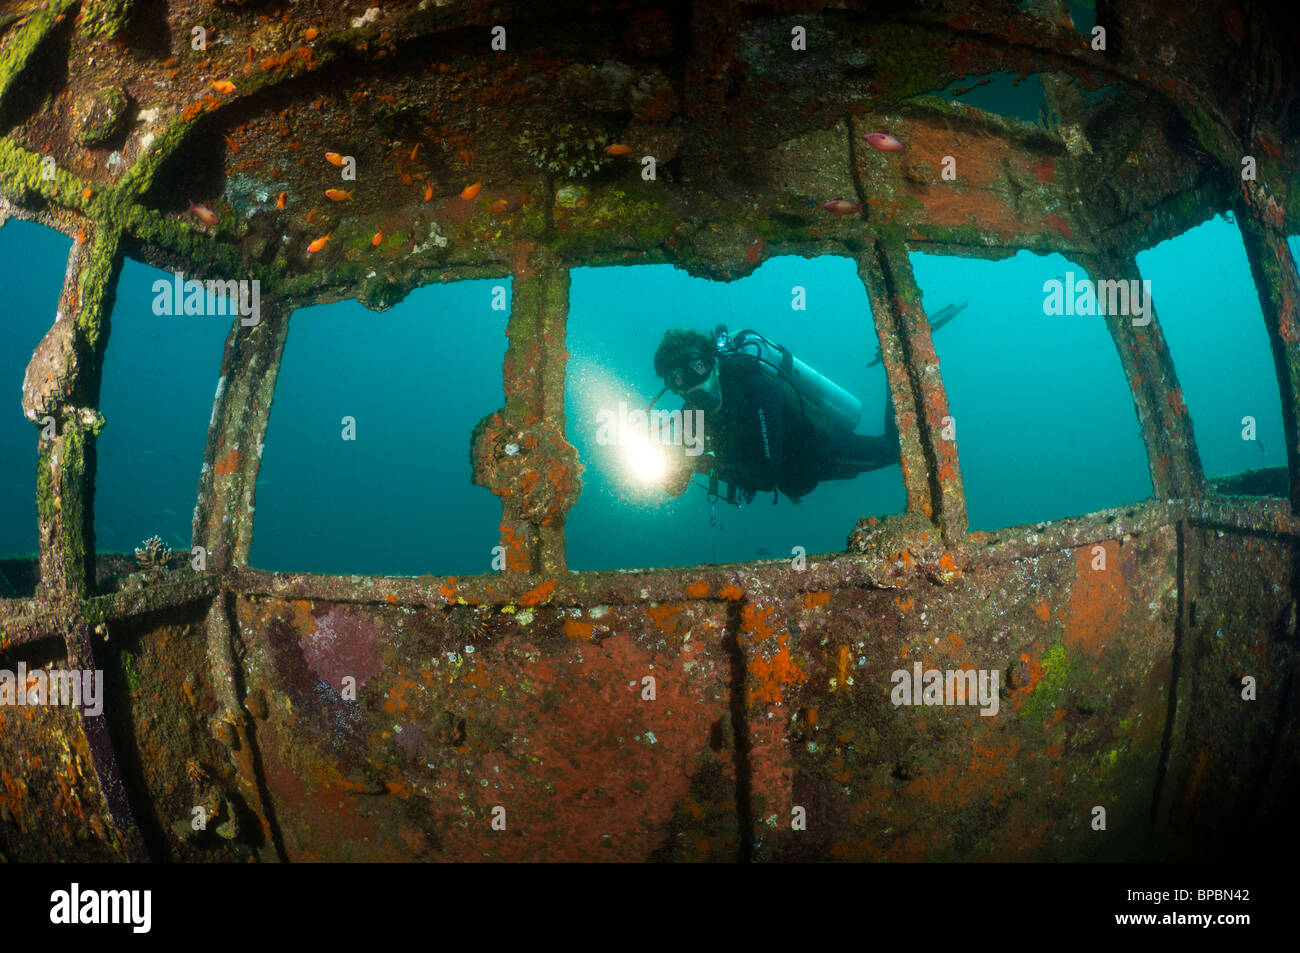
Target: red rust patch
1097,603
229,463
769,676
538,595
664,616
1044,170
1059,225
577,630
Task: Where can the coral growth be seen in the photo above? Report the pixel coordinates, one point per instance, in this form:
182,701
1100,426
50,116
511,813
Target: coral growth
153,554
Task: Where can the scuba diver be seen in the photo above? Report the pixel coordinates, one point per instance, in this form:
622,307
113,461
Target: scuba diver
771,422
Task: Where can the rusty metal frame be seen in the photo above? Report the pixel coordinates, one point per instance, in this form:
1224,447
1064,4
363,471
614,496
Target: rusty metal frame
534,372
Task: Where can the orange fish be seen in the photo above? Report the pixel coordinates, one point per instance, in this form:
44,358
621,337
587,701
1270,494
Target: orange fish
311,214
415,151
379,237
223,86
617,149
280,200
317,245
333,158
86,193
311,34
406,179
337,195
428,191
81,236
499,206
471,191
231,143
203,213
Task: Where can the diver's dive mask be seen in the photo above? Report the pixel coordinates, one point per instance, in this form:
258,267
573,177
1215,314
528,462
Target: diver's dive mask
697,384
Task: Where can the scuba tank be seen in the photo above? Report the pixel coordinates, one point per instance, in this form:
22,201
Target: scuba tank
824,402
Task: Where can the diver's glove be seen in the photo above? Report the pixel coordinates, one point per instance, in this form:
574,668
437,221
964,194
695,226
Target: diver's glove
681,468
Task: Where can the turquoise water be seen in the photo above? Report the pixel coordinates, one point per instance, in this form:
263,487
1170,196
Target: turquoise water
1044,420
1004,93
416,379
617,317
160,377
32,261
1211,319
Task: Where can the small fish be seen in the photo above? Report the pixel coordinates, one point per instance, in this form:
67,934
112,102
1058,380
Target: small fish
223,86
406,179
333,158
311,34
941,317
234,149
86,193
281,199
81,236
311,214
337,195
378,239
499,206
203,213
762,551
317,245
883,142
617,149
415,152
471,191
428,191
842,207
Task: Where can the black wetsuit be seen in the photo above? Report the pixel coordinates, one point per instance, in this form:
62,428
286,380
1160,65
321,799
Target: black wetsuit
762,441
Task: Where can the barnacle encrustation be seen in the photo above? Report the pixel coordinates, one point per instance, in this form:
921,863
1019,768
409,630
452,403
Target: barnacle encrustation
571,149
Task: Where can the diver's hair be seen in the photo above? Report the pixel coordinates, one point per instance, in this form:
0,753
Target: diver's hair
679,347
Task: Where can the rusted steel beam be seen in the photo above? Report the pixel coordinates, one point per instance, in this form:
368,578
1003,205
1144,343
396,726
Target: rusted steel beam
232,724
1157,398
60,393
179,588
967,177
1260,221
81,657
521,453
709,66
920,402
1231,739
872,270
29,620
873,568
223,516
